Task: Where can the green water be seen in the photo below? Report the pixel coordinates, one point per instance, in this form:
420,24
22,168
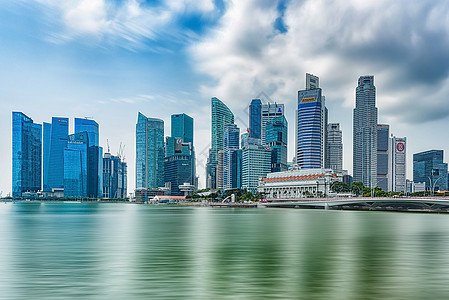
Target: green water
125,251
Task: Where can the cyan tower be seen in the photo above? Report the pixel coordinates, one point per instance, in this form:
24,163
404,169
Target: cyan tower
149,152
26,154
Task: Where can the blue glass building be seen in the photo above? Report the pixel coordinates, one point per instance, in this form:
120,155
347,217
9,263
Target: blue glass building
236,169
231,144
311,128
429,167
46,128
182,127
149,152
26,154
221,115
114,177
276,132
255,118
54,145
75,165
92,129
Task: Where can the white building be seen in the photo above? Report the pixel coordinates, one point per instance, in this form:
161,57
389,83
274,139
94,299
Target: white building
397,168
298,183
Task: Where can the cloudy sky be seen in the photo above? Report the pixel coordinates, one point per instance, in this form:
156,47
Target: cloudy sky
110,59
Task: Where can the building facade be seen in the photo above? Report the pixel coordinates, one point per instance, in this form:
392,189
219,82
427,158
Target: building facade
256,163
91,127
311,128
221,115
26,155
383,156
269,112
398,164
255,118
276,133
54,142
298,183
182,127
115,177
428,167
231,144
75,165
334,147
365,132
149,152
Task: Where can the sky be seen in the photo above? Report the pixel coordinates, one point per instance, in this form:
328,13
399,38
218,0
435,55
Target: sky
110,59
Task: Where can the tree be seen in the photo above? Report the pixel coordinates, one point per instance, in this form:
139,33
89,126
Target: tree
357,188
340,187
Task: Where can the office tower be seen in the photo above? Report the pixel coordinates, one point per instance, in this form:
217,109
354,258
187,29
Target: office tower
269,112
231,144
397,164
236,169
115,177
311,119
26,154
276,132
149,152
312,82
334,147
255,118
92,129
179,168
179,162
428,167
46,134
365,132
76,164
182,127
221,115
383,156
256,162
54,142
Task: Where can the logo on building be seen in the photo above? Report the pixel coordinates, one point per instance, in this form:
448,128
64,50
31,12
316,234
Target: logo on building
400,147
308,99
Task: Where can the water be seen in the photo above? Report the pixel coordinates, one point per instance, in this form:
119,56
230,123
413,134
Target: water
125,251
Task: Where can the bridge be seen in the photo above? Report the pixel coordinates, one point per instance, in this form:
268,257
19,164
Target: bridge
424,204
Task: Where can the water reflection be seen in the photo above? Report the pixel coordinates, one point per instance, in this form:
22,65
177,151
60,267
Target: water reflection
118,251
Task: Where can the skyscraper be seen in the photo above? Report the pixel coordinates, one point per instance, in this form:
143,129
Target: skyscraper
231,144
114,177
76,165
334,151
276,132
311,119
428,167
397,165
312,82
179,162
92,129
182,127
365,132
55,141
269,112
383,156
221,115
255,119
149,152
46,134
26,154
256,162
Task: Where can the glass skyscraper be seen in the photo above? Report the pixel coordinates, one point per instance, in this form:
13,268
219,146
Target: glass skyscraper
311,126
182,127
276,132
114,177
149,152
255,119
383,155
55,141
429,167
75,165
231,144
221,115
92,129
365,133
334,147
26,154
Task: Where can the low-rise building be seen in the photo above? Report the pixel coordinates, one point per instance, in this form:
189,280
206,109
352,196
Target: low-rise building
298,183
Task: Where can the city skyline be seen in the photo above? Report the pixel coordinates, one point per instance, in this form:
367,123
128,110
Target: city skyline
92,61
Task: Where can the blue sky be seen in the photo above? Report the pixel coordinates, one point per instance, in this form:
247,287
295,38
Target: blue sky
111,59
